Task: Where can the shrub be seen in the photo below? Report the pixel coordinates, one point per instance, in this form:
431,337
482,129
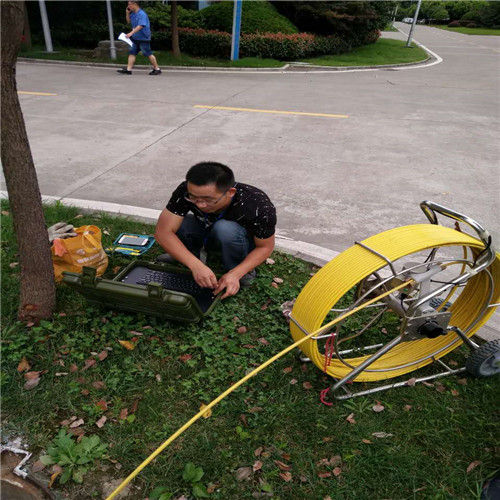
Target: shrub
160,17
471,25
454,24
256,17
213,43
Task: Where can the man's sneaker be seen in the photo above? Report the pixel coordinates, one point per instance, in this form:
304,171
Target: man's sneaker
165,258
124,71
156,72
248,279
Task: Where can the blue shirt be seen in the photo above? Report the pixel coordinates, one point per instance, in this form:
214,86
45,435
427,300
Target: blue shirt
140,18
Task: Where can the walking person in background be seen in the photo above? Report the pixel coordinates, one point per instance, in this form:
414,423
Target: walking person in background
140,36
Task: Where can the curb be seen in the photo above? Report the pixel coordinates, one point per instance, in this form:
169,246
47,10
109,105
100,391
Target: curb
306,251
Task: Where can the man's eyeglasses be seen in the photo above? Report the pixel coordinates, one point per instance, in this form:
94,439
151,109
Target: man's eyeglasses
204,201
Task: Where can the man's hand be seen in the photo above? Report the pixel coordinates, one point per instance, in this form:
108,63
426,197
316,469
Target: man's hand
128,35
204,276
230,282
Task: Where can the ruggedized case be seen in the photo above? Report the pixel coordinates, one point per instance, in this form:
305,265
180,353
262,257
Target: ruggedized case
149,299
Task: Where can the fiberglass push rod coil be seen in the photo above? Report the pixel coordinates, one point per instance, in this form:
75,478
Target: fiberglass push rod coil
359,263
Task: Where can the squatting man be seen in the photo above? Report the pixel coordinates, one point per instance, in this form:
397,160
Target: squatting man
210,211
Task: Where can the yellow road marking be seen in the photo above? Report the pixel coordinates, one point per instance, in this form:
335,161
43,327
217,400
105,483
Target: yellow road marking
271,111
33,93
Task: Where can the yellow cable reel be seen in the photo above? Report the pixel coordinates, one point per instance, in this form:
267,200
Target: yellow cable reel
362,262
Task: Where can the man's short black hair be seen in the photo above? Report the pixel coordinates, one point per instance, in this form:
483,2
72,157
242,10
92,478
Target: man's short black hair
208,172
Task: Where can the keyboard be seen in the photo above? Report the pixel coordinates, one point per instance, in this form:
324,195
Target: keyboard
172,281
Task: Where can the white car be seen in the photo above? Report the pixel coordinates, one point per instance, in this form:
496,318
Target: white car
408,20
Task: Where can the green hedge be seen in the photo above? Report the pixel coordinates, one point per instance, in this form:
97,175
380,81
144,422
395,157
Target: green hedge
256,17
213,43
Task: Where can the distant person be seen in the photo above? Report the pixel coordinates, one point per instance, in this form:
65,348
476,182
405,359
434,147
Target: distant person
237,219
140,36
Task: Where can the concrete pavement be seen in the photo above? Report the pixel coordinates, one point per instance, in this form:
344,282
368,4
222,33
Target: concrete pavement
413,133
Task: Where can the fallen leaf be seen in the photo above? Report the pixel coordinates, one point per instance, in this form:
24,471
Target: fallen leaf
263,341
307,385
473,465
248,346
288,369
102,404
282,465
454,392
335,460
208,413
37,466
440,388
350,418
212,487
462,381
4,212
123,414
293,381
274,285
277,280
324,475
31,375
407,407
303,479
255,409
337,471
327,439
85,392
428,384
242,329
135,333
88,364
366,441
258,451
134,406
31,384
102,355
303,368
98,384
106,232
286,456
77,423
286,476
382,434
158,377
411,382
378,408
453,362
79,216
128,345
65,423
328,497
23,365
101,421
243,473
185,357
12,265
61,374
73,368
52,479
257,466
268,260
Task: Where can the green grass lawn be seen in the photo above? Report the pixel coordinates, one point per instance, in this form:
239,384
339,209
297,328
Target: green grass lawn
470,31
272,438
384,51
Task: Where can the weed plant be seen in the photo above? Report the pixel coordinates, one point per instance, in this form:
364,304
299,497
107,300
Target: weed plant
272,438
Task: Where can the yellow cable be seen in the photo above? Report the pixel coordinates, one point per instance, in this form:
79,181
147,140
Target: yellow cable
350,267
238,384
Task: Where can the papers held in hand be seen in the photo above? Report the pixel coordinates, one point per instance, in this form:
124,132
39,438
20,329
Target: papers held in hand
123,38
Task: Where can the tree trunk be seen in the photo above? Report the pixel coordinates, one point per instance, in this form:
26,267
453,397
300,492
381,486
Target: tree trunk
37,298
176,51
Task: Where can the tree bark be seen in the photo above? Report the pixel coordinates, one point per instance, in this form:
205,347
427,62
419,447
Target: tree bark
37,297
176,51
